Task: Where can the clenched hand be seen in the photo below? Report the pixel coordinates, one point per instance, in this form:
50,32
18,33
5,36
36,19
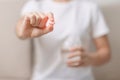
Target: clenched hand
35,24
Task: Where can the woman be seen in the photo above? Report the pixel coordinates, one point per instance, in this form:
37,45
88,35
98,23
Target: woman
50,30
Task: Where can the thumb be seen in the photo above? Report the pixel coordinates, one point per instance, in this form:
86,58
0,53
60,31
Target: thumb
26,22
48,29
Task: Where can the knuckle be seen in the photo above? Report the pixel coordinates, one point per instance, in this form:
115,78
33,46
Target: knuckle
26,17
33,16
79,53
38,19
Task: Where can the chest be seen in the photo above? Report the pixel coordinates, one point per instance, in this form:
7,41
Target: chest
67,20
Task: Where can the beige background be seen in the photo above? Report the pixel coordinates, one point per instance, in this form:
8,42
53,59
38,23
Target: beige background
15,55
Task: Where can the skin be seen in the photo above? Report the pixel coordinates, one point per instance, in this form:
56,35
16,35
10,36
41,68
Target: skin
33,25
98,58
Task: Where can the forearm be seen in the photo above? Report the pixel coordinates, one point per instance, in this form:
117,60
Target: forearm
100,57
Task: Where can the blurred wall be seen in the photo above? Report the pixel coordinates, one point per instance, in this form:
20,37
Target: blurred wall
15,59
14,53
111,71
107,2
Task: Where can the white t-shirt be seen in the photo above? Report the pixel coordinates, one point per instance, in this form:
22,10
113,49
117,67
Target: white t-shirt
83,16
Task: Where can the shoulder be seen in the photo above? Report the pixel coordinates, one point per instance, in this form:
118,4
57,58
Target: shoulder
88,4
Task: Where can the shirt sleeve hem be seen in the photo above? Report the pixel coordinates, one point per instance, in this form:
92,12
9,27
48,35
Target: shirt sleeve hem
100,34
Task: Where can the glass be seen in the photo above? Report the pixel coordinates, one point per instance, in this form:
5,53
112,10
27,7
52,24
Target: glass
70,42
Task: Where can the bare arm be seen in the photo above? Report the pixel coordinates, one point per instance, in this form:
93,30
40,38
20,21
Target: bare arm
102,54
98,58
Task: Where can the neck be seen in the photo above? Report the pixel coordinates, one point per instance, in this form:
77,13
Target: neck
62,1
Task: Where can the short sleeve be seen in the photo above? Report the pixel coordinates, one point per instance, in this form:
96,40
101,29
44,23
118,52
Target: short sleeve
99,26
30,6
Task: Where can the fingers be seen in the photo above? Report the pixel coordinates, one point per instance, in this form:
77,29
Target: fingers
75,61
25,24
75,65
37,22
76,58
39,32
26,20
77,48
51,21
81,54
76,51
21,27
72,55
47,29
43,21
73,49
50,25
38,19
33,19
51,16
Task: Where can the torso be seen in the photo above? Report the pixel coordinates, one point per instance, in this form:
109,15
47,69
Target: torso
48,62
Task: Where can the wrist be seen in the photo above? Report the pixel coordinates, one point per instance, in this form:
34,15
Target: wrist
92,59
